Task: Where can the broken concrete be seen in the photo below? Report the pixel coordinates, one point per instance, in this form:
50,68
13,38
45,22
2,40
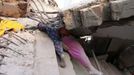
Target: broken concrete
122,32
96,14
18,63
92,16
86,16
18,9
72,19
122,9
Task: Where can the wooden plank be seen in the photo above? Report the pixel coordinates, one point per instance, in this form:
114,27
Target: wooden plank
45,59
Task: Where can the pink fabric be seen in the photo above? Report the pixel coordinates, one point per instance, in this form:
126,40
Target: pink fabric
76,51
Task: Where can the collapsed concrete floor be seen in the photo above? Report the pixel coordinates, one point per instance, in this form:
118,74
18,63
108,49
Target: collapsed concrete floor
37,55
39,58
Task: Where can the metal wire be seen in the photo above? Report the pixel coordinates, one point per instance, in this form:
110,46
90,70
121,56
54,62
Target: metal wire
96,61
10,41
11,50
43,9
38,11
94,56
41,18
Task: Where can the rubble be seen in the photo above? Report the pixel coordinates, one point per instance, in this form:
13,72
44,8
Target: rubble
86,16
72,19
16,64
122,9
24,59
19,9
92,16
95,14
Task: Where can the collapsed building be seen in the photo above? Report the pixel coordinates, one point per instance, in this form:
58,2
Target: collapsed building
31,52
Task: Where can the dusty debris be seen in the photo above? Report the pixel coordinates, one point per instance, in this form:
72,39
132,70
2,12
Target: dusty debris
18,9
72,21
11,50
86,16
122,9
92,16
16,64
20,60
5,10
10,41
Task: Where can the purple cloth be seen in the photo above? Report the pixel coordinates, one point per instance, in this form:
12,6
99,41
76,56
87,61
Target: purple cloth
76,50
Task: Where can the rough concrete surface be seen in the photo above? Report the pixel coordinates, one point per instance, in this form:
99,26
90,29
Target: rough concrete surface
45,60
18,63
69,69
92,16
122,9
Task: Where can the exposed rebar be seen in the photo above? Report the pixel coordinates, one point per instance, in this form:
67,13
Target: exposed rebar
10,41
11,50
41,18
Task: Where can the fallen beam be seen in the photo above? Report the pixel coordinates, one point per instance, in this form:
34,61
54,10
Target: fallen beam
122,9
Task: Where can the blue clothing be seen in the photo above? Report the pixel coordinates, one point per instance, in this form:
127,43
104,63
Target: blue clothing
53,34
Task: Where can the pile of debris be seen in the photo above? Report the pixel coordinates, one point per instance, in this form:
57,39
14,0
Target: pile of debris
94,14
17,38
18,22
18,8
17,53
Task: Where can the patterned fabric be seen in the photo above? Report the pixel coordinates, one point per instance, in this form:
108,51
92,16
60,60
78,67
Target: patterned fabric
53,34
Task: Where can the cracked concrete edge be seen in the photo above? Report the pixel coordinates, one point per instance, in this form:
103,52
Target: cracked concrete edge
69,69
45,60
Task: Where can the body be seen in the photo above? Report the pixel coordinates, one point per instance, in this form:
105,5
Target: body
77,52
53,34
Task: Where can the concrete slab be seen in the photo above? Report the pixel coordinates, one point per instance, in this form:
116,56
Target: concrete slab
45,59
68,70
92,16
79,69
122,9
20,59
72,19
